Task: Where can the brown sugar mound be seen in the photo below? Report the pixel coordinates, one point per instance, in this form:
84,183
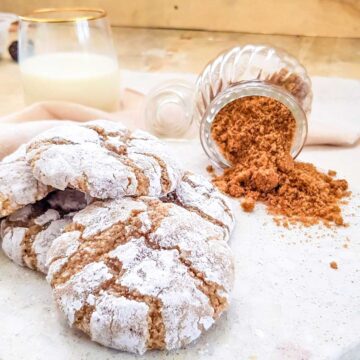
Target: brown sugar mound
255,135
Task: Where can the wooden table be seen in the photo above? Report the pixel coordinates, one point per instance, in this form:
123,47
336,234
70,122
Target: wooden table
189,51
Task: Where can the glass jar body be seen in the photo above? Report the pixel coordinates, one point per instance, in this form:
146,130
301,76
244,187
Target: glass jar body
251,70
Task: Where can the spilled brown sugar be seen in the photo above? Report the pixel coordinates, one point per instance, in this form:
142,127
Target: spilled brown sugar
210,169
248,204
255,135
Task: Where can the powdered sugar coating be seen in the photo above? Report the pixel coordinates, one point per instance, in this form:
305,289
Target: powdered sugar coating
48,227
11,244
106,213
109,128
44,239
18,154
197,194
28,233
120,323
151,170
72,295
41,242
102,159
163,270
18,186
86,167
160,273
61,249
199,240
47,217
142,142
133,273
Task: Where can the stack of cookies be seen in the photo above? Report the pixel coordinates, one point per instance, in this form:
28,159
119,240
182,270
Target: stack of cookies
134,248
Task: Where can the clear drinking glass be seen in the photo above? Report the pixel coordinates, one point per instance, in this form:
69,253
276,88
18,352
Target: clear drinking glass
67,54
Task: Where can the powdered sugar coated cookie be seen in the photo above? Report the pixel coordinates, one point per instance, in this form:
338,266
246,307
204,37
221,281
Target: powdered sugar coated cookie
18,186
103,159
139,274
196,194
28,233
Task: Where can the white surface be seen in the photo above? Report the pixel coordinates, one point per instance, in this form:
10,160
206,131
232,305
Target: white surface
287,302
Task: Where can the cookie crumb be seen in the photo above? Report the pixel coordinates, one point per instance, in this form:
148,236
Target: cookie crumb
332,173
334,265
248,204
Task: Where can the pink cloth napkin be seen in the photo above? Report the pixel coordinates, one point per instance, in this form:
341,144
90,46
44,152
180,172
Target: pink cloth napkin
335,118
19,127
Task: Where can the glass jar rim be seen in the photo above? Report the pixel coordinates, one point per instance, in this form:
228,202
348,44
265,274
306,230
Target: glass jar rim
39,15
245,89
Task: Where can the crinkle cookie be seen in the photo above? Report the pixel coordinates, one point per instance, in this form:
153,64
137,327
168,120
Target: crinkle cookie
18,186
137,274
195,193
103,159
28,233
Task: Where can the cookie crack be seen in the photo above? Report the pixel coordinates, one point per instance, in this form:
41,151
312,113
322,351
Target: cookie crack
5,206
174,198
165,179
93,249
46,143
121,151
208,196
156,326
127,230
105,135
143,182
206,216
28,254
209,288
89,251
82,183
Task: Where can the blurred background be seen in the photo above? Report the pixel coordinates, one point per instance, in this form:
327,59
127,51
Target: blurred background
334,18
183,35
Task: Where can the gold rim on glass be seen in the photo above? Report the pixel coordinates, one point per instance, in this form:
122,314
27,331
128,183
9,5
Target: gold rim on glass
93,14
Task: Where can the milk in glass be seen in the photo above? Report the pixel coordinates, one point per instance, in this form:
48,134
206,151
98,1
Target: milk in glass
84,78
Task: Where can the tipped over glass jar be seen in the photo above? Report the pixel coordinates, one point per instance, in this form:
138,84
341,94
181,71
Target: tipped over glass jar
243,71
